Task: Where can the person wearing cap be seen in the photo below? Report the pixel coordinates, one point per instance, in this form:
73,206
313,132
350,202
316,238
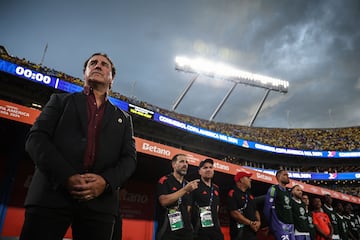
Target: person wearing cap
173,205
205,204
277,208
244,216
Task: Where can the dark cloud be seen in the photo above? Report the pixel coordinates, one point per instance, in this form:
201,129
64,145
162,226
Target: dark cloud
315,45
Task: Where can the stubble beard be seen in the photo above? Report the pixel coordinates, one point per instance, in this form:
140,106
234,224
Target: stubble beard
182,172
206,179
285,182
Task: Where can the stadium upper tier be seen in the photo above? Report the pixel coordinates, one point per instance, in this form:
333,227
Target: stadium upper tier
333,139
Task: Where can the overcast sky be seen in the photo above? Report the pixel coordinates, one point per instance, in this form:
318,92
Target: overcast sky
315,45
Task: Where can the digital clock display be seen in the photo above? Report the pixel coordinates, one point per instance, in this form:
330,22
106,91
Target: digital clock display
30,74
38,77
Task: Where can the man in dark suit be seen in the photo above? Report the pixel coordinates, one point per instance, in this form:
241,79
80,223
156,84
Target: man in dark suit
84,151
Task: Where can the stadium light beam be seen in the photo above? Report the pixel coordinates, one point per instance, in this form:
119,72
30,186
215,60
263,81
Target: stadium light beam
219,70
226,72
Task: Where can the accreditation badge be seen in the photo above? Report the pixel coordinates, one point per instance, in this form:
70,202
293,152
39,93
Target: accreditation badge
175,220
206,217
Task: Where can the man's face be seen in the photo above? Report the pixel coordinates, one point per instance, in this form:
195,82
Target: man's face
181,165
328,200
246,181
348,208
207,171
316,203
340,208
98,71
305,199
297,192
284,178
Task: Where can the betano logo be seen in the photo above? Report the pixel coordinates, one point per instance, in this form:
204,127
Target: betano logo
324,192
221,166
263,176
314,189
155,149
135,198
293,183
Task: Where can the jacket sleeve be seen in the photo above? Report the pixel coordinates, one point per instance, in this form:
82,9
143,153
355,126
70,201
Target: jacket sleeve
269,202
41,148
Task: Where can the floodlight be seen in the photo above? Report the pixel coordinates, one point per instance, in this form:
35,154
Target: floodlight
223,71
219,70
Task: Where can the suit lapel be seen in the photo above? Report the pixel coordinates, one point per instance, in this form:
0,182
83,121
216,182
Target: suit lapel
109,112
81,106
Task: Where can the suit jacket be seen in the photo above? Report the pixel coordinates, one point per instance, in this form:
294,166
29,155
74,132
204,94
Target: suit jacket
57,142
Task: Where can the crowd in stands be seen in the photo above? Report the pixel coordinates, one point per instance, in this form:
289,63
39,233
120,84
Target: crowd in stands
350,187
353,190
334,139
344,187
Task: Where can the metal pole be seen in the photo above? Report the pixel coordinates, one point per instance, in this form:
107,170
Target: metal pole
43,56
222,102
259,107
184,92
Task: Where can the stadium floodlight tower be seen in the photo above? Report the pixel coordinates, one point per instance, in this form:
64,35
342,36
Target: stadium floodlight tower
201,66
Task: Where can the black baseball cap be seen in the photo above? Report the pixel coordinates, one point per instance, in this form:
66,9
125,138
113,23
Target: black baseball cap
208,160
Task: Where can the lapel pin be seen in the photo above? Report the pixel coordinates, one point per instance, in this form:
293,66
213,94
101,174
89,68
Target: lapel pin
119,120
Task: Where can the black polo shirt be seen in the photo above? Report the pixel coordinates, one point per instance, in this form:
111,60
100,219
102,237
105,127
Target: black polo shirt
166,185
204,196
236,200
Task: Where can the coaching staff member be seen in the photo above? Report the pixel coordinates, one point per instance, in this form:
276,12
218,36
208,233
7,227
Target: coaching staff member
173,205
83,150
244,216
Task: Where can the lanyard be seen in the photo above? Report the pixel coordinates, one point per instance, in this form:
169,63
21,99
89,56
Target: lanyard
180,198
246,202
211,195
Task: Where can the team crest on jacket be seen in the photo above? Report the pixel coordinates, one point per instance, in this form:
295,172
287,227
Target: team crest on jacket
231,193
162,180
